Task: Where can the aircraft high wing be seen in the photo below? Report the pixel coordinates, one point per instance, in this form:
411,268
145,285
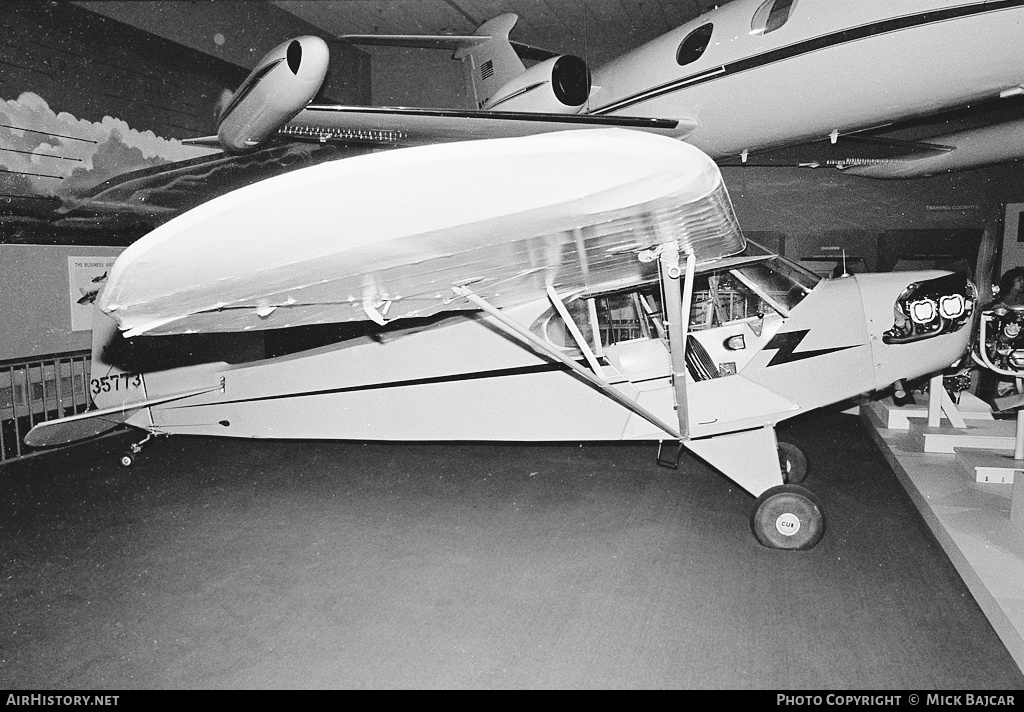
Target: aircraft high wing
504,219
742,79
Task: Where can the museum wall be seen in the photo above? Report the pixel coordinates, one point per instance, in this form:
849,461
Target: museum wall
44,287
84,99
240,32
86,65
813,214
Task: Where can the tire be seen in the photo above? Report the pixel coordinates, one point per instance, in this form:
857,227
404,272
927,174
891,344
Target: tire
793,463
127,460
788,517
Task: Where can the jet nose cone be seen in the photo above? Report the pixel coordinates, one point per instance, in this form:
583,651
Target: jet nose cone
308,58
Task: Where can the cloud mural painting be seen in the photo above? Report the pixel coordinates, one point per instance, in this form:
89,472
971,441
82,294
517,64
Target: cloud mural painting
64,179
48,154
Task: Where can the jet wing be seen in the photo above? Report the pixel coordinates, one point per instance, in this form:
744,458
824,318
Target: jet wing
971,148
845,152
398,126
389,235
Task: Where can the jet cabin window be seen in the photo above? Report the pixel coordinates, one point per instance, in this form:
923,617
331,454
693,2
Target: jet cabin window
694,45
771,16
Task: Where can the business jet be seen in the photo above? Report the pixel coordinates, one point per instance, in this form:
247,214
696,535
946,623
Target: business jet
736,82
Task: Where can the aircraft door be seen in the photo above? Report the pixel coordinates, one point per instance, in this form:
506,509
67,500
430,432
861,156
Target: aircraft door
633,336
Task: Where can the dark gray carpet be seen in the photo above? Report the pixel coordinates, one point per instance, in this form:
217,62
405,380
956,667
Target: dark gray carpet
254,564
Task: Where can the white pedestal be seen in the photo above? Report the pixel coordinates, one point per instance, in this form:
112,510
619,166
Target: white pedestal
990,435
992,466
887,414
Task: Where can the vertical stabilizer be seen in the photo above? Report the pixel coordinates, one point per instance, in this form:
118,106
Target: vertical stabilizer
492,63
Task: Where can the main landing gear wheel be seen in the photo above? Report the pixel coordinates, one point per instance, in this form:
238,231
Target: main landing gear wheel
127,459
788,517
793,463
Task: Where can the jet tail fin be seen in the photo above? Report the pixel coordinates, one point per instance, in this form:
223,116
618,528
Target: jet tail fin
490,65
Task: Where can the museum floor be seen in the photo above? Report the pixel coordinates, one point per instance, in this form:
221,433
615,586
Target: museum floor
254,564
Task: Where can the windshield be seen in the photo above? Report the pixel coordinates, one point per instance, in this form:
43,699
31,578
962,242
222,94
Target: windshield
780,282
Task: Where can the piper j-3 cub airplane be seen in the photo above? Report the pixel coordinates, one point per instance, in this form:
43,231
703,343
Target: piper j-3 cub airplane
573,285
590,285
585,285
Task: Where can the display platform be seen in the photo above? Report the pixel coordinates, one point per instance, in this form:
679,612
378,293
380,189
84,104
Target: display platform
886,414
976,512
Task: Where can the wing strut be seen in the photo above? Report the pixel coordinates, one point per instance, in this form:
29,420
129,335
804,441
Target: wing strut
678,323
537,343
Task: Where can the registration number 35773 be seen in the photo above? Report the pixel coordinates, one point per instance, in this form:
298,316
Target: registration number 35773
116,382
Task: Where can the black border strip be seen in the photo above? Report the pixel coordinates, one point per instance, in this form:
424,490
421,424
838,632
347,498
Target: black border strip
515,94
812,45
499,373
453,378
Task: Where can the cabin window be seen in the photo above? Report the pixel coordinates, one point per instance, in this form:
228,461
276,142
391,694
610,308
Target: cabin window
782,282
720,299
771,16
621,317
694,45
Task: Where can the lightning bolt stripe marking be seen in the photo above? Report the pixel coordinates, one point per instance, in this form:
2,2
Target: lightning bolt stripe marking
786,344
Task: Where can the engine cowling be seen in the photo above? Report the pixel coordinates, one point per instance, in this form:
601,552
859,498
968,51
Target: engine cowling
280,86
560,85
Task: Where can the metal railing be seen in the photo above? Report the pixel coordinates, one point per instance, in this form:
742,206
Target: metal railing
38,389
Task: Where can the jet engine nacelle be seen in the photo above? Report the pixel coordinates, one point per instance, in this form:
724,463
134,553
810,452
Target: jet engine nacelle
280,86
560,85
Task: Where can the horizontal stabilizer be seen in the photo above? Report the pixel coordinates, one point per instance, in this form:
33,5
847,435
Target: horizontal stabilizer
496,29
93,422
448,42
452,42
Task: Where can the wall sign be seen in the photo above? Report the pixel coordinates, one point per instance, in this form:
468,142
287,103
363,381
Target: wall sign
85,277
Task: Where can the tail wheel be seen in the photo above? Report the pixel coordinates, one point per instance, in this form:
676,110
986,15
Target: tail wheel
788,517
793,463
